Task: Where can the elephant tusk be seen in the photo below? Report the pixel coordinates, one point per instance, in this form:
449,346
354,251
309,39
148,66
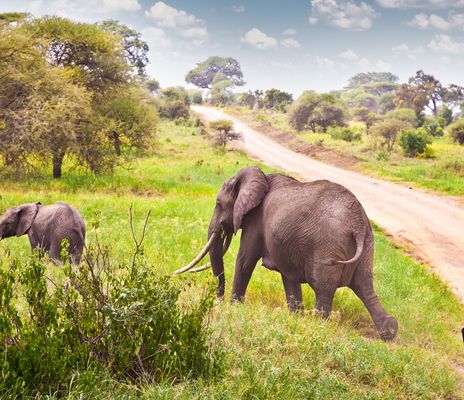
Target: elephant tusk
202,268
199,257
227,243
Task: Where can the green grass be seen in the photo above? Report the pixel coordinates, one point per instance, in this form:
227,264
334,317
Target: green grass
270,354
443,174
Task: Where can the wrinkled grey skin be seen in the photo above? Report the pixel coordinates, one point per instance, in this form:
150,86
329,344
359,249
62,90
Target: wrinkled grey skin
315,233
46,227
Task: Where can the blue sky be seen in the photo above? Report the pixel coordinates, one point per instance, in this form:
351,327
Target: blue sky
292,45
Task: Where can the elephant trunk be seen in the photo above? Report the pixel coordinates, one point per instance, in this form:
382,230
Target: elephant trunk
216,253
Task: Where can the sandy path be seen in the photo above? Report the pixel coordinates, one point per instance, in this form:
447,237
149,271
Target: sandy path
433,225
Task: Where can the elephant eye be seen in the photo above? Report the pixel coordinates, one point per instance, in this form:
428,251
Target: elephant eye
218,203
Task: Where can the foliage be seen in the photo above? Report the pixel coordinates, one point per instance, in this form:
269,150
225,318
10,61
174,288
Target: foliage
129,321
174,103
456,131
407,115
204,74
152,85
224,128
220,90
433,127
414,141
386,103
277,99
195,96
372,77
363,114
427,154
247,99
313,110
388,130
348,134
446,114
136,50
358,98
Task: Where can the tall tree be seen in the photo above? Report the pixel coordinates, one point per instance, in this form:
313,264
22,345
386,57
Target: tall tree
204,74
136,49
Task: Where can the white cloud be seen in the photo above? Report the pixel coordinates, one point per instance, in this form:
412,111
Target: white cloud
348,55
238,8
442,43
427,4
345,14
258,39
325,62
289,32
404,50
156,38
424,21
124,5
290,43
186,25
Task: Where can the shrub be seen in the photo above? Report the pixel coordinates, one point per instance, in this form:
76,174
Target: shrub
433,127
348,134
383,155
456,131
127,322
174,109
414,141
224,129
406,115
428,153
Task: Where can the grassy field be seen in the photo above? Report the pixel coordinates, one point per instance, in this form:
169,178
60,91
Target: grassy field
445,173
270,354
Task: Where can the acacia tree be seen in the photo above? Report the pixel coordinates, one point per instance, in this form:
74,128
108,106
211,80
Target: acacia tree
136,49
204,75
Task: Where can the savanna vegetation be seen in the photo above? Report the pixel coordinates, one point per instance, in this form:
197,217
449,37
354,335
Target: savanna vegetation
262,351
408,132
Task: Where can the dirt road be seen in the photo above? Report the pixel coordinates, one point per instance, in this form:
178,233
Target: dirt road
433,225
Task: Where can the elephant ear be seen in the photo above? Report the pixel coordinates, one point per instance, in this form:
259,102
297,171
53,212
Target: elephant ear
26,215
252,187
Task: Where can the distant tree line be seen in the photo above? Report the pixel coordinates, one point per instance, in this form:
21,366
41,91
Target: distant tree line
71,90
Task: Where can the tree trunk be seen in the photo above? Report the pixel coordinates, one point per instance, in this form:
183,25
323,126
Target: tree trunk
58,156
117,144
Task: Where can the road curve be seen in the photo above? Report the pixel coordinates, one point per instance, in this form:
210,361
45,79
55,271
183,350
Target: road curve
433,225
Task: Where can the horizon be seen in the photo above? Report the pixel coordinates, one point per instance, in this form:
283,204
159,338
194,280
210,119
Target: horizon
317,44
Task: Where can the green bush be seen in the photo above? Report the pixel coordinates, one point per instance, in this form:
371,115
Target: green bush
433,127
383,155
414,141
428,153
221,125
128,323
348,134
174,109
406,115
456,131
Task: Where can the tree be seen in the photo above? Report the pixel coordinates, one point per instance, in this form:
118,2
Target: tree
386,103
152,85
406,115
220,90
136,50
248,99
388,130
175,103
93,57
414,141
446,114
364,78
277,99
204,74
312,111
363,114
358,98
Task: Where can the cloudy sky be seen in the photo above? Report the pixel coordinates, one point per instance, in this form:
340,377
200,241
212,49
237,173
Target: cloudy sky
294,44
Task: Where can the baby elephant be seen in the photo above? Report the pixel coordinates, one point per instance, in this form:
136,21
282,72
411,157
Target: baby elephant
46,227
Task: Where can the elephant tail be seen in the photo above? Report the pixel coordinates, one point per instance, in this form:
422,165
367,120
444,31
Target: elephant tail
359,238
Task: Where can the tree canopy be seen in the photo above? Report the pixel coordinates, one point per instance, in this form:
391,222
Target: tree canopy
204,75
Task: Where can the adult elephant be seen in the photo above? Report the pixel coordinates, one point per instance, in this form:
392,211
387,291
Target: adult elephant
315,232
46,227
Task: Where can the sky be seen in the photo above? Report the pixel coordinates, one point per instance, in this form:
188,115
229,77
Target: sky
293,45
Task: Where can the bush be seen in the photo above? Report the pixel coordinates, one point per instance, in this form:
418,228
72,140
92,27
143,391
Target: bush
383,155
174,110
428,153
348,134
433,127
127,323
456,131
224,129
414,141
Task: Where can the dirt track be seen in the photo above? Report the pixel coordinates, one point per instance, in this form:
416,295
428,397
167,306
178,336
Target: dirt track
432,225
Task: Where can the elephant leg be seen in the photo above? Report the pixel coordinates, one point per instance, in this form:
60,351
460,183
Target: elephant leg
55,251
326,282
293,294
75,252
362,285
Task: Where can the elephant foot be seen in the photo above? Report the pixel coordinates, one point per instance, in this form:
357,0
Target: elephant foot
388,328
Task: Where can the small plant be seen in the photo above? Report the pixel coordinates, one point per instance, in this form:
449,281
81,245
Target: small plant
414,141
383,155
348,134
456,131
